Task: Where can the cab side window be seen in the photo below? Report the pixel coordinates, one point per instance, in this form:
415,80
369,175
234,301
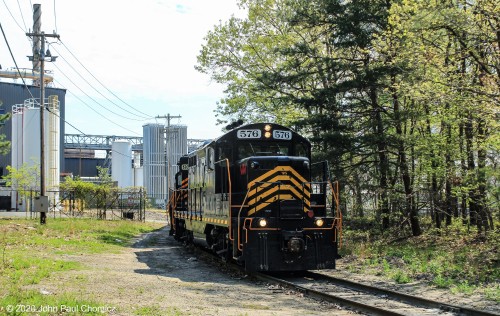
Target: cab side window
301,150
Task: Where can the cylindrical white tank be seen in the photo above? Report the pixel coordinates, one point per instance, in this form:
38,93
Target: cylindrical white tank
26,143
139,177
31,136
17,136
138,170
154,161
176,148
52,150
16,148
121,163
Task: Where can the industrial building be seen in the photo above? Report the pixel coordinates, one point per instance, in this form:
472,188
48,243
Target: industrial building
13,94
131,162
149,161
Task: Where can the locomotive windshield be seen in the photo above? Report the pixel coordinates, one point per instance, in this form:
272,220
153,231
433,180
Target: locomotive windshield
256,148
263,149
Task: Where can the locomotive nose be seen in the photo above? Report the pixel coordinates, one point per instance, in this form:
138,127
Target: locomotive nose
295,245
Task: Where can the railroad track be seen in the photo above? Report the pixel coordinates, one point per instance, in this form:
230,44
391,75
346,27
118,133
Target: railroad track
365,298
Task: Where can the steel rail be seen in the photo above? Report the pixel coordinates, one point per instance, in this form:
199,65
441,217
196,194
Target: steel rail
406,298
369,309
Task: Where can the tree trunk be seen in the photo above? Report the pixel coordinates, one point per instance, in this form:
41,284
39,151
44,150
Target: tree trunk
483,211
434,194
383,163
410,209
463,205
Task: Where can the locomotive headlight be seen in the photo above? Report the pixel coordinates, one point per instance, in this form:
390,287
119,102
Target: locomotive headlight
319,222
262,222
267,128
267,134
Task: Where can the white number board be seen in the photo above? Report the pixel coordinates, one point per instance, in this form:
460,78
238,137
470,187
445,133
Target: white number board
184,166
277,134
249,133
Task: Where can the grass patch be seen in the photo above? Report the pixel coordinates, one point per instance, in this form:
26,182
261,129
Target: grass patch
451,258
157,311
31,253
256,306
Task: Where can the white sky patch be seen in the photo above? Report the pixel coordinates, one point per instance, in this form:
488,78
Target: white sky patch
143,51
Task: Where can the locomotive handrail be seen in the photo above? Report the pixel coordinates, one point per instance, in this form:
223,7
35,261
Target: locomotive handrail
172,197
338,217
230,194
239,216
170,210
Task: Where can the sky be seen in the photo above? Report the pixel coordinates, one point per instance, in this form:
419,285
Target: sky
123,60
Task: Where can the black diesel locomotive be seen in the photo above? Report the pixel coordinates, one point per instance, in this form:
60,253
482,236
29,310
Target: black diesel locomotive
252,195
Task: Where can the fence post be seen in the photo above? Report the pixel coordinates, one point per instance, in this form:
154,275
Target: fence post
142,213
30,206
105,204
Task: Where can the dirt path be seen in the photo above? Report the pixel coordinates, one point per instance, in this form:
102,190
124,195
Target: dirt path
159,276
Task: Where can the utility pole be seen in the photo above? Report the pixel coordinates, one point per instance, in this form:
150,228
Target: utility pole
168,117
39,56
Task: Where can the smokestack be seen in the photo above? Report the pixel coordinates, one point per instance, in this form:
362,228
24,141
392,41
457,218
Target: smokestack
37,26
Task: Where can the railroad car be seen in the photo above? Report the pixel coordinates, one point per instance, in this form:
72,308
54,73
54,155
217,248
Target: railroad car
254,196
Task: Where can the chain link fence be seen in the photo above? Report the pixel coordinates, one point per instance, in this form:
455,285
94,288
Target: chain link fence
111,204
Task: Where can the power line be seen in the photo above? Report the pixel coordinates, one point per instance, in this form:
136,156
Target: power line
95,89
109,120
12,55
96,102
132,107
24,82
66,122
29,91
7,7
22,16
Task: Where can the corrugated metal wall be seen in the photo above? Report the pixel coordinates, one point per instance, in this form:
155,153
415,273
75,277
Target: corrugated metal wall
154,161
14,93
176,148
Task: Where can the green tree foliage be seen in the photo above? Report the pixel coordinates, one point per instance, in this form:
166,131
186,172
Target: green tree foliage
454,84
401,97
80,189
101,193
25,179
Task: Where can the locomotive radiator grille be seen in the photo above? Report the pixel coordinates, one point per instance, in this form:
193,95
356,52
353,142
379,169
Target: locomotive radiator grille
282,183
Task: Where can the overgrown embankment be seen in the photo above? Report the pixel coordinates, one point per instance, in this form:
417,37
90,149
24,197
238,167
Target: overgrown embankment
454,257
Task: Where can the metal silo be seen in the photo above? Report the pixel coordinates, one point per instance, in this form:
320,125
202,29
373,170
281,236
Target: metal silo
52,153
16,147
154,163
121,163
138,171
26,137
31,133
176,148
17,138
